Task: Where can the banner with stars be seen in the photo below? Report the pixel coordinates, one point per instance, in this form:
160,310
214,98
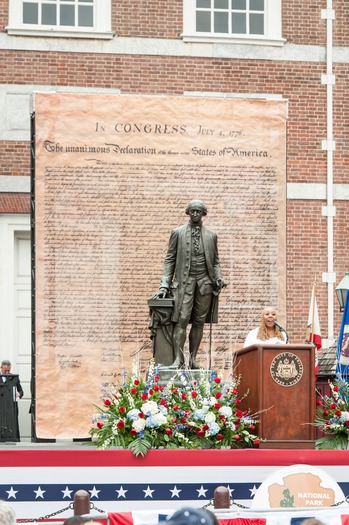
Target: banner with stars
42,483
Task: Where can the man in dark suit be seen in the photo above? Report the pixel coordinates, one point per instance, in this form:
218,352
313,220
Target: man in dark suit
7,376
191,274
10,391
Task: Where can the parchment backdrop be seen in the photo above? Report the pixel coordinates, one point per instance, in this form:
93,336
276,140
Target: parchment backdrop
113,176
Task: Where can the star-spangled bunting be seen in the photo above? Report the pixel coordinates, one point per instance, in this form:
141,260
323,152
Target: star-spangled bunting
39,493
148,493
175,492
131,491
121,492
94,492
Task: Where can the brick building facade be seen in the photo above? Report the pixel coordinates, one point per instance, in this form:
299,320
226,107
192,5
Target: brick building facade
255,48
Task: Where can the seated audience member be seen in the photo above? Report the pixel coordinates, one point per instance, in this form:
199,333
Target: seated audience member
267,331
77,520
191,516
7,514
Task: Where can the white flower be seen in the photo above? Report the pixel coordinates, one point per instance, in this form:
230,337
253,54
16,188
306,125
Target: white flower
139,424
345,416
210,417
150,408
225,411
160,418
213,401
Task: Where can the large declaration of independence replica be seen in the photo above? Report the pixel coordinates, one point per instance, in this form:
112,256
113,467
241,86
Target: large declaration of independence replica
108,170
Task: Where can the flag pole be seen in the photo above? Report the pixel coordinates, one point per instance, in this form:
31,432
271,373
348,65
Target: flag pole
313,311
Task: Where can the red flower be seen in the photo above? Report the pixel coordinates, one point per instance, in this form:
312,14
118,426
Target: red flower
201,433
256,443
174,420
136,382
336,388
318,402
205,427
237,401
338,413
133,432
133,390
162,401
221,417
184,396
217,380
217,406
99,424
175,407
174,390
237,438
220,437
122,409
121,424
238,413
156,388
107,402
194,394
144,396
168,431
333,406
347,423
237,422
116,397
183,420
252,427
325,413
235,391
157,379
218,395
141,415
162,388
151,391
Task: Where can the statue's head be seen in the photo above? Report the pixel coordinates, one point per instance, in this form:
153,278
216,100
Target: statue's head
196,204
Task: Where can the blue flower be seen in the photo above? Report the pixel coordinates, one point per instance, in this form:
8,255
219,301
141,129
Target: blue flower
132,415
213,429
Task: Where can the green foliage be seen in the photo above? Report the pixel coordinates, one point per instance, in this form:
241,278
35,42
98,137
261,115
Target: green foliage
143,414
332,417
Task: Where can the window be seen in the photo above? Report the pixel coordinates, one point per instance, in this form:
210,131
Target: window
61,17
230,20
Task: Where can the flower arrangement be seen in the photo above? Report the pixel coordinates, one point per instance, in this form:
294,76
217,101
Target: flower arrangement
332,417
143,414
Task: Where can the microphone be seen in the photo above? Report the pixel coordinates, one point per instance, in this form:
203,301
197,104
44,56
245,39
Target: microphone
282,329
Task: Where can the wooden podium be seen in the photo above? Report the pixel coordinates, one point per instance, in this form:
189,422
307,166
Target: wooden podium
281,379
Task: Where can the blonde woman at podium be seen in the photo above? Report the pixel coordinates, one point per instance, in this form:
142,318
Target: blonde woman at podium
269,331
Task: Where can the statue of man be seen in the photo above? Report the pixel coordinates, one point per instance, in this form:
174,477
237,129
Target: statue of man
191,274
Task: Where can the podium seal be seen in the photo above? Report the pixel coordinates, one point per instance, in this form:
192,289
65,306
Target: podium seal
286,369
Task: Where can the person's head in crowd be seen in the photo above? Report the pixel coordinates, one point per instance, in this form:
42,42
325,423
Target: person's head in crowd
5,366
7,514
191,516
267,328
312,521
77,520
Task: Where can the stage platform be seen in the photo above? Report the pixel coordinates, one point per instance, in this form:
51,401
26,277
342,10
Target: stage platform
40,479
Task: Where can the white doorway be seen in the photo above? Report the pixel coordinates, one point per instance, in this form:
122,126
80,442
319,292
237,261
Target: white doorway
15,306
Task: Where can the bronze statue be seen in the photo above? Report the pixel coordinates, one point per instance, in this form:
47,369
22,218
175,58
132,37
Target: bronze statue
192,276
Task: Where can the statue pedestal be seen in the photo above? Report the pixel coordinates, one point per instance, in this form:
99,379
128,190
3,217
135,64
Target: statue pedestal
161,327
166,374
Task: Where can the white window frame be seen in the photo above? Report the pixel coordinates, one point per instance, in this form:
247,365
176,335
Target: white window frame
272,24
101,29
